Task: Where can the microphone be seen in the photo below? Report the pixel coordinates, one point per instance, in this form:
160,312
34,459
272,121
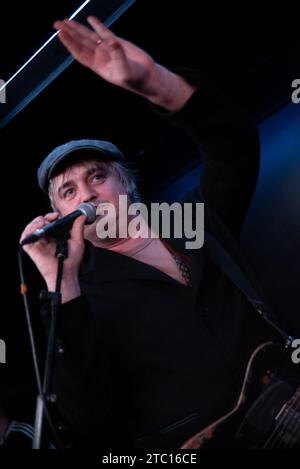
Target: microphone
59,228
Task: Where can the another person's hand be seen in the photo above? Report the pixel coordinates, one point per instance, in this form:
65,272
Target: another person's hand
122,63
42,252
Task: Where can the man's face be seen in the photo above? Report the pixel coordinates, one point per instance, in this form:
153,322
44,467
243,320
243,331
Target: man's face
91,181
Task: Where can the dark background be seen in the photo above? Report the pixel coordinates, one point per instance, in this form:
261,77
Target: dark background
252,52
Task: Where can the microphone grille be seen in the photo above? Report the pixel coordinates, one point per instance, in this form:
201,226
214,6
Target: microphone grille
89,210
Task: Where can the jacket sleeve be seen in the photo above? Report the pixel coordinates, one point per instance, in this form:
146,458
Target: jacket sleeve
82,372
229,145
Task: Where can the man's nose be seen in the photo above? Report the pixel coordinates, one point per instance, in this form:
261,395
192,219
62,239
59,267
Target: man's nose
88,193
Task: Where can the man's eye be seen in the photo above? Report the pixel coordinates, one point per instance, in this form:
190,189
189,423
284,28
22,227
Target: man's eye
68,193
97,177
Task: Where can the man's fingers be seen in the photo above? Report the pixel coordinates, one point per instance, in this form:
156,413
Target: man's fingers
39,222
73,40
82,30
77,229
75,47
100,28
75,44
115,50
51,216
81,41
76,30
36,224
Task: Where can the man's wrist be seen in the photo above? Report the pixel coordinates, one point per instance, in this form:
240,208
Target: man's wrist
70,288
169,90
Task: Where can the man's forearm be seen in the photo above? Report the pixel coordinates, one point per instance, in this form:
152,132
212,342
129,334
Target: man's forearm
166,89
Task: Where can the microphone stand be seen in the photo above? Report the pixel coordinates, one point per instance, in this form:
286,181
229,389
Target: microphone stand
55,298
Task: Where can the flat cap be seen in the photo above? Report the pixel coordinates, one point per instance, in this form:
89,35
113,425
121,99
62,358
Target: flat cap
99,148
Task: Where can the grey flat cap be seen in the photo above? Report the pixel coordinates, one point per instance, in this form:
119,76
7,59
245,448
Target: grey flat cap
99,148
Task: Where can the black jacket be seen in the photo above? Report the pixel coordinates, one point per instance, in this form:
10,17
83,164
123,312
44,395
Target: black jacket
145,356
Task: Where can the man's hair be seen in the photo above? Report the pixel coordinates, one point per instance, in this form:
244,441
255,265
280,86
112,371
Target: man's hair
126,175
